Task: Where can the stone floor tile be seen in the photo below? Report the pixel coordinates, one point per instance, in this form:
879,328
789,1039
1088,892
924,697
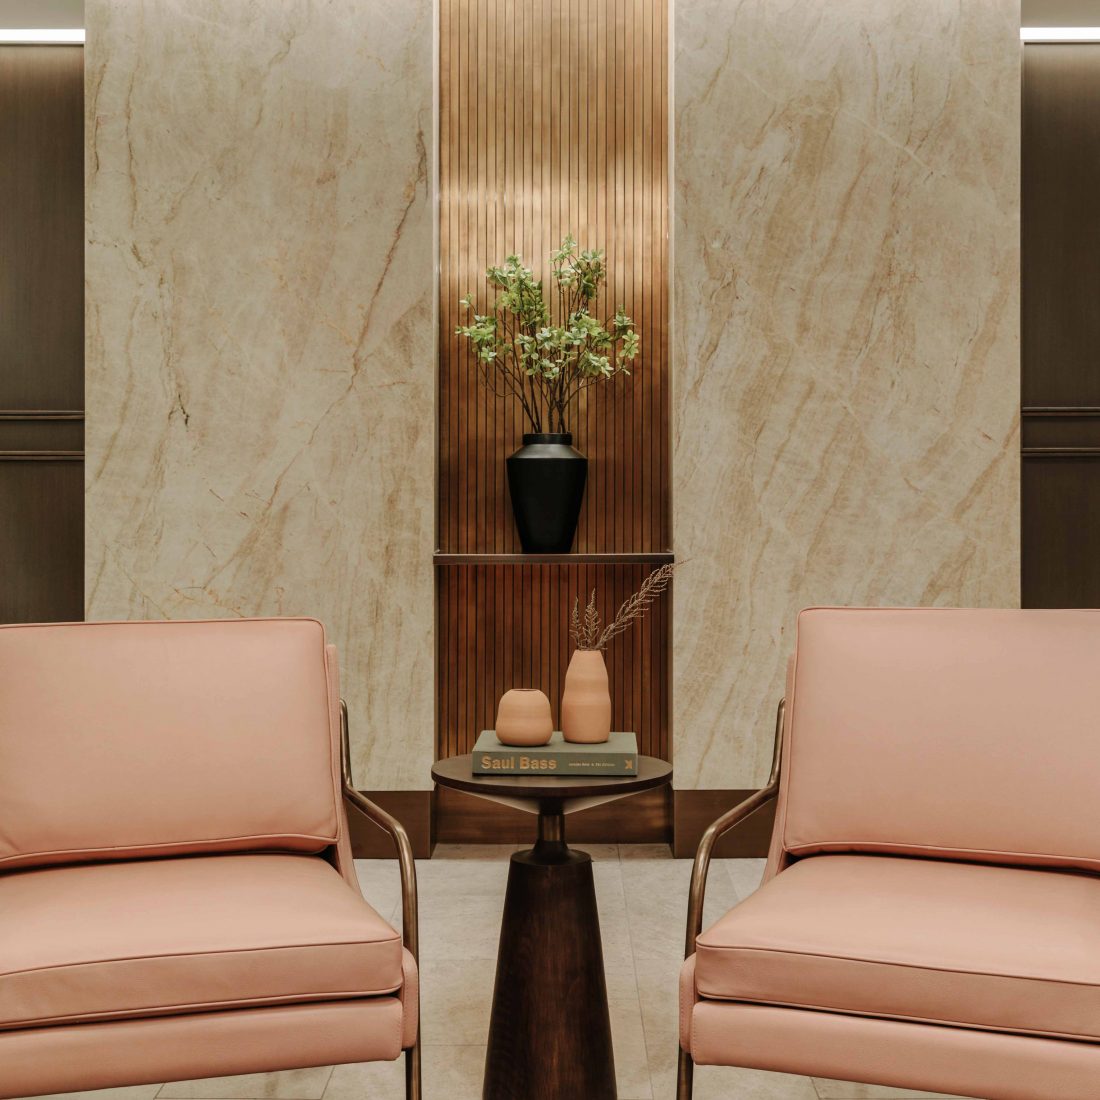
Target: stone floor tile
449,1073
628,1038
724,1083
466,927
368,1081
291,1084
455,1000
852,1090
645,851
133,1092
745,874
600,853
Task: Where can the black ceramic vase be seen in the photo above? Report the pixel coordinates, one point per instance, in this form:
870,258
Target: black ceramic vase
546,479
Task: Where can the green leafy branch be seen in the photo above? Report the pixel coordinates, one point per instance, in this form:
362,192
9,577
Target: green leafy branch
546,358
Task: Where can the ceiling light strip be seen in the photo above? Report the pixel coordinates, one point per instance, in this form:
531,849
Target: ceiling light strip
1060,34
42,36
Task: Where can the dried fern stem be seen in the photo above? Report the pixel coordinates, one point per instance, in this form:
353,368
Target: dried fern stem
585,629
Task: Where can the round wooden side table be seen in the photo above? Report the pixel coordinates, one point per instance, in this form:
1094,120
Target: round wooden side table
550,1033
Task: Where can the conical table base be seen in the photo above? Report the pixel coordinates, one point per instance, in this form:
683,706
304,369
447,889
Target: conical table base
550,1036
550,1033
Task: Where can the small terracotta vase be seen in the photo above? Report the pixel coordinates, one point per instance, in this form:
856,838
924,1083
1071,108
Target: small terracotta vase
586,701
523,718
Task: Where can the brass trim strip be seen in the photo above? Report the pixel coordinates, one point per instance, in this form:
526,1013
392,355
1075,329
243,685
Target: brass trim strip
1060,452
41,414
41,456
554,559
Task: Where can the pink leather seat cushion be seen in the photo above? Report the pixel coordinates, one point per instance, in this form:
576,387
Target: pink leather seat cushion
142,938
941,942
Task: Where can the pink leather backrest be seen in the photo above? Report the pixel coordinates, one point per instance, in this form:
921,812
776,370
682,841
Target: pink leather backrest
956,734
121,740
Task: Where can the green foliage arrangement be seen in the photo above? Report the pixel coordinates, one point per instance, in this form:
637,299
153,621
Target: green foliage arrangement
541,357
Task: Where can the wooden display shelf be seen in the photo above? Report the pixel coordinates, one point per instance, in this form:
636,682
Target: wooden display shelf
658,558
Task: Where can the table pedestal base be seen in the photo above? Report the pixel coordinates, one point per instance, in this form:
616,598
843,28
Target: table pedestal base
550,1035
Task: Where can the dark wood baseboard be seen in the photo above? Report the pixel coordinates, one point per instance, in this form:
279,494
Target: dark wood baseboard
412,808
693,811
644,818
678,818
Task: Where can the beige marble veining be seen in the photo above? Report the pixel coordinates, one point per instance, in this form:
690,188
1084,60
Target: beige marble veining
846,272
260,334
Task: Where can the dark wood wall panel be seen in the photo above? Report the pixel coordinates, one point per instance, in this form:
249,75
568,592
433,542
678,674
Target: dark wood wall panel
1060,545
1060,384
553,118
1060,225
41,539
644,818
508,626
41,333
41,227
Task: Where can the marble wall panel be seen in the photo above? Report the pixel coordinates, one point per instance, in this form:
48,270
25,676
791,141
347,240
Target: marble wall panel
260,333
846,269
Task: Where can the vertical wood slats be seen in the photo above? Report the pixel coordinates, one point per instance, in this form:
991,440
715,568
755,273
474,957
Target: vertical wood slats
503,626
41,333
1060,313
553,119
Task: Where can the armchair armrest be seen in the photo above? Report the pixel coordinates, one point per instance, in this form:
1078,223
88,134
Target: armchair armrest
717,828
388,823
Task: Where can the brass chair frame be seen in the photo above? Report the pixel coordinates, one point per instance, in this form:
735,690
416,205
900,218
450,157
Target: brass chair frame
409,931
685,1066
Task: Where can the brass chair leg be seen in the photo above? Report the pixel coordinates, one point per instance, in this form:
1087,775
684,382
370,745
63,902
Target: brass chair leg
685,1072
410,934
413,1087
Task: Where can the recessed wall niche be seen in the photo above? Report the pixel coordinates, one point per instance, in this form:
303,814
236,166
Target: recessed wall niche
553,118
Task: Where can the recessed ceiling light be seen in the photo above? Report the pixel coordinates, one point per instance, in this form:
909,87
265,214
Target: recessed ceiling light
42,36
1060,34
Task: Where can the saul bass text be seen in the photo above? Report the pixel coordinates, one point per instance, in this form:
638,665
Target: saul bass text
524,763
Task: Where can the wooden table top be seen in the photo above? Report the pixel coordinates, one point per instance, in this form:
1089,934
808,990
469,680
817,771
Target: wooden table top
457,772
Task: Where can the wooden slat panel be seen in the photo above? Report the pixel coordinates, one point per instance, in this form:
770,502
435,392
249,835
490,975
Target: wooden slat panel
553,118
1060,544
505,626
412,808
41,539
644,818
1059,228
693,812
41,333
42,227
1060,232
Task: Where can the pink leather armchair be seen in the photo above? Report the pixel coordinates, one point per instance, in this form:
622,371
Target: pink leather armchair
930,912
177,893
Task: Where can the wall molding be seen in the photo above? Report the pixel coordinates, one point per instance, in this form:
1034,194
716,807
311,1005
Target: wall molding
693,812
412,808
674,817
644,818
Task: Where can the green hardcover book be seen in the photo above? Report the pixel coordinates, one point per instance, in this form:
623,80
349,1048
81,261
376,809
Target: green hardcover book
617,756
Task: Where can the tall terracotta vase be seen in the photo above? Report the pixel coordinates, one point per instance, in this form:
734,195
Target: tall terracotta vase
586,701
